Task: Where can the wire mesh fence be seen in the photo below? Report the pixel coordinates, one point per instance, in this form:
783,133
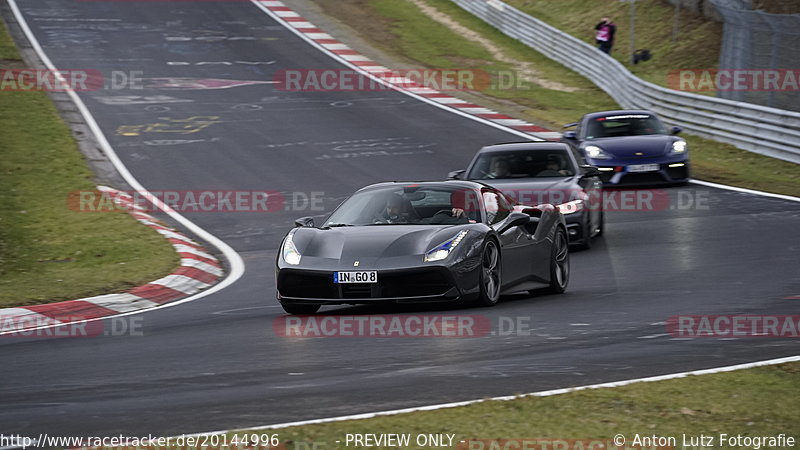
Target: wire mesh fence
756,44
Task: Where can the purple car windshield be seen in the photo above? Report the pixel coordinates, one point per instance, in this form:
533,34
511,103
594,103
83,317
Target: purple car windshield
624,125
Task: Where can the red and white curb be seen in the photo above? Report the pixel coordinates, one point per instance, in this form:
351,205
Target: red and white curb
198,271
292,19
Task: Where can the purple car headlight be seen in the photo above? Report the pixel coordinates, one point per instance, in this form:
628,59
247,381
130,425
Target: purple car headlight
595,152
678,147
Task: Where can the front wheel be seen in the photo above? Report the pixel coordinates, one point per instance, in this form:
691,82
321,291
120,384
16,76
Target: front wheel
490,274
299,308
559,263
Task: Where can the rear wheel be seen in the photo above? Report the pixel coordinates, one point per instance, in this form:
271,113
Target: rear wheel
559,263
490,274
299,308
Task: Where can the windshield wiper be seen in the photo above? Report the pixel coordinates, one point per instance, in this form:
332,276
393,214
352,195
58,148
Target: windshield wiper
334,225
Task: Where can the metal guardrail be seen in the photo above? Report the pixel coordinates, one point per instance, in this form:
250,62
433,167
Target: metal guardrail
758,129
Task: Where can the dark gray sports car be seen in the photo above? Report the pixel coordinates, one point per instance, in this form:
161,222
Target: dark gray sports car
422,242
544,172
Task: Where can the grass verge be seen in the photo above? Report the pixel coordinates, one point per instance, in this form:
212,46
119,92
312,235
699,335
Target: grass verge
401,29
47,251
751,402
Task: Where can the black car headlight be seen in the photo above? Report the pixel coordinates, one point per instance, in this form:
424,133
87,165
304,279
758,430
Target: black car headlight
289,251
444,249
571,207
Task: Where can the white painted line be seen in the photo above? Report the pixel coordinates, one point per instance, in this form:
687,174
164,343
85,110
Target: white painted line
301,24
150,223
549,393
379,69
205,267
311,37
355,58
174,235
478,110
399,80
237,266
336,46
148,217
287,14
181,283
121,302
426,90
272,3
449,100
652,336
548,134
16,319
745,190
186,249
512,122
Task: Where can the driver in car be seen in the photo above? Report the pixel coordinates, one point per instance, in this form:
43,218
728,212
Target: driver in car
553,168
499,168
397,210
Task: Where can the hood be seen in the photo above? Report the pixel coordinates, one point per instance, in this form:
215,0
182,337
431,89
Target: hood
369,243
537,191
628,146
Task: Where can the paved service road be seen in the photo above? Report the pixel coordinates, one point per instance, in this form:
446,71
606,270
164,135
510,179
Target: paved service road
217,363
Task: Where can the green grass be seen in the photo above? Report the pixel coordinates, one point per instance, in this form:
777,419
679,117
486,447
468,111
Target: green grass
752,402
49,252
696,46
434,45
400,28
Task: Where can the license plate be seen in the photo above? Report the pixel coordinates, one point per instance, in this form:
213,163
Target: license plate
644,168
355,277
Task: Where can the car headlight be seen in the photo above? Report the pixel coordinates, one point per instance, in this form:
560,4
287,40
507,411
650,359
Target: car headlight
595,152
444,249
290,253
678,147
571,207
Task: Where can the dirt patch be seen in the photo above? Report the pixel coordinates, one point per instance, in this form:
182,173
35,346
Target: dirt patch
374,26
12,64
525,70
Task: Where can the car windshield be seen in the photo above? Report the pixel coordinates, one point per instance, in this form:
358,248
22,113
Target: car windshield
624,125
522,164
408,205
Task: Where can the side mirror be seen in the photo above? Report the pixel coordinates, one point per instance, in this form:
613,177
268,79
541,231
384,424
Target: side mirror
590,171
675,130
455,175
571,135
304,222
515,219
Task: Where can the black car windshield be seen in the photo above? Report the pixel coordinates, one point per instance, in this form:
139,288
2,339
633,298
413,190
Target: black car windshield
408,205
522,164
624,125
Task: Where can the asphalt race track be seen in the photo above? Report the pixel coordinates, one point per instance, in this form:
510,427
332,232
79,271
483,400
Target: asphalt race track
216,363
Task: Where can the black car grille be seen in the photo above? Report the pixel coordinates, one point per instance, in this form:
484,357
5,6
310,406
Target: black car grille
307,285
406,284
678,173
356,290
414,284
643,178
